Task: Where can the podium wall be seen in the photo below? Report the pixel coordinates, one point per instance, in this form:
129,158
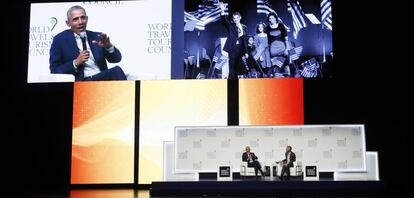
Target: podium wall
332,147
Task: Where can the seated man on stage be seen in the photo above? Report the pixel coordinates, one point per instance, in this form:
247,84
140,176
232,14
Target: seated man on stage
290,157
251,160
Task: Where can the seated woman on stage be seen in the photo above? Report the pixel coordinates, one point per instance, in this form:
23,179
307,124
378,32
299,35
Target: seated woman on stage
251,160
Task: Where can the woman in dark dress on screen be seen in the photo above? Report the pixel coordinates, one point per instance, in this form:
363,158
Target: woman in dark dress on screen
278,40
262,53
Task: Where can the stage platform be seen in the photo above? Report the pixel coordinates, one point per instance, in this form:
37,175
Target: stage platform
268,188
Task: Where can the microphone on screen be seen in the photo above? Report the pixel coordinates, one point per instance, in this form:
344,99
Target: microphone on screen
83,38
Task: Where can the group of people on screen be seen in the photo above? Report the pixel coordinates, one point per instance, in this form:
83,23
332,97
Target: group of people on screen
259,55
252,161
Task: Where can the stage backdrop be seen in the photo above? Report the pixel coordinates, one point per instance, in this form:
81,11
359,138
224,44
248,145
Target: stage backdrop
166,104
103,133
271,101
141,30
332,147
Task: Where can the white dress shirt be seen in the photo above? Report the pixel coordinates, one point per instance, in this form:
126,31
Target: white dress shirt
249,157
240,30
288,158
90,66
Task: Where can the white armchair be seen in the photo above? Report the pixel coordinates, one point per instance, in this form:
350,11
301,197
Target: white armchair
296,170
247,171
56,78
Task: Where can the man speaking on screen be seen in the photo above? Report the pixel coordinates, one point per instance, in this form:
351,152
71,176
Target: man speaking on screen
84,53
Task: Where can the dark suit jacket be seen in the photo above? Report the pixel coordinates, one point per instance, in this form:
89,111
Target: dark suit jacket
64,50
292,159
245,156
233,36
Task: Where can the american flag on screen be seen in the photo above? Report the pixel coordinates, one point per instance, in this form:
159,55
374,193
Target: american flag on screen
298,17
310,68
278,61
192,22
295,53
264,7
326,11
204,15
218,58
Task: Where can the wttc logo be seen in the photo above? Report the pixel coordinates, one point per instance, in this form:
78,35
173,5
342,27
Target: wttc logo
54,22
41,38
310,171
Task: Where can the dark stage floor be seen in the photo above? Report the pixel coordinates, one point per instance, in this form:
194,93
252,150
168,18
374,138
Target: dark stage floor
269,188
250,187
130,193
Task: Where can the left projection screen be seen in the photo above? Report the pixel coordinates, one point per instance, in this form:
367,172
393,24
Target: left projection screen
140,30
103,133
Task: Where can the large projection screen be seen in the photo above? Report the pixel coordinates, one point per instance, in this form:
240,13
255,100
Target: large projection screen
331,147
304,28
141,30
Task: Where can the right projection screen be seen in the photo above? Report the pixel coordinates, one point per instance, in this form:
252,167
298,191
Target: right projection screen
283,38
332,147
